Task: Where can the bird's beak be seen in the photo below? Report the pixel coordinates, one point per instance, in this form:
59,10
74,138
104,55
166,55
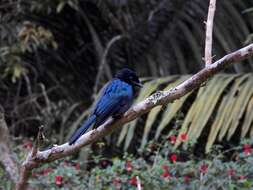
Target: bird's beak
137,84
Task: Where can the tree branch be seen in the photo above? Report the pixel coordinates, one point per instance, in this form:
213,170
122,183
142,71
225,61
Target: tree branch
40,138
103,61
6,157
159,98
26,169
209,32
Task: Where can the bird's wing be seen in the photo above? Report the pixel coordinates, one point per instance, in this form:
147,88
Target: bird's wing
99,95
115,97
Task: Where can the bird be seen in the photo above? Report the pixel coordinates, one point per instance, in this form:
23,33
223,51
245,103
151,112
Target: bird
116,98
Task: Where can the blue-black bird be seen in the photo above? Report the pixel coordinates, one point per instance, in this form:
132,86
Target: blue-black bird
116,98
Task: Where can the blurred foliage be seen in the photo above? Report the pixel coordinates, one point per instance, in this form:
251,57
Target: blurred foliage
55,55
160,166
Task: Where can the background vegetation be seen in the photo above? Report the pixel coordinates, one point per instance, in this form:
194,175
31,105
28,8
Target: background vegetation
56,55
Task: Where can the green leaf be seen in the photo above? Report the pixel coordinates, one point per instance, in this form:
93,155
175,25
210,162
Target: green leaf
60,6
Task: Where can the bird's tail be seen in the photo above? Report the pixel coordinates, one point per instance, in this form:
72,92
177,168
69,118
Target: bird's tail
79,132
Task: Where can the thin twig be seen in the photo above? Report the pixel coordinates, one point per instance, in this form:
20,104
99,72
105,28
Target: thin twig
209,32
7,5
38,141
96,41
159,98
138,183
103,62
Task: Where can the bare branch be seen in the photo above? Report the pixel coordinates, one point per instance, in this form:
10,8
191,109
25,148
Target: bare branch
25,172
27,168
209,32
38,141
6,157
138,183
159,98
103,61
96,40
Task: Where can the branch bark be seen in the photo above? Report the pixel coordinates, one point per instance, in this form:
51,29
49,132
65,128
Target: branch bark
6,157
209,32
159,98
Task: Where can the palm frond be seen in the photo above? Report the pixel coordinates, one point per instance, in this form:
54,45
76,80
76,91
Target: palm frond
221,109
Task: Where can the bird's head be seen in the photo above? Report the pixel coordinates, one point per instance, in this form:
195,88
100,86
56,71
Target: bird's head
129,77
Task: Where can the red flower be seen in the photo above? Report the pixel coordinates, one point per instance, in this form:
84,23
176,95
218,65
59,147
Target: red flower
35,174
241,178
116,182
58,180
166,174
133,181
46,171
104,163
27,144
129,166
186,179
203,168
231,172
173,158
65,163
183,137
165,167
77,166
172,139
247,149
